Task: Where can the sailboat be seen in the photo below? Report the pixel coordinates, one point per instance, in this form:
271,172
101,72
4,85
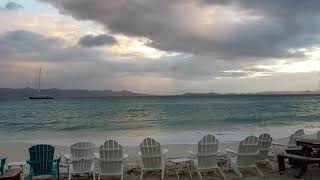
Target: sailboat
39,96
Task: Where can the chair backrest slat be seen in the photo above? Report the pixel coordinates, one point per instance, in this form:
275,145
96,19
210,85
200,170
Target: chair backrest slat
41,157
111,157
208,151
265,141
82,154
247,151
292,140
151,153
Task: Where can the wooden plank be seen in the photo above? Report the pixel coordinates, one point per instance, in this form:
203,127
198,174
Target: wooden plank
300,157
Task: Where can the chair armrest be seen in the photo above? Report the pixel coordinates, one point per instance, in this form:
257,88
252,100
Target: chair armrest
230,151
139,153
165,151
192,153
124,156
57,159
67,156
278,144
96,155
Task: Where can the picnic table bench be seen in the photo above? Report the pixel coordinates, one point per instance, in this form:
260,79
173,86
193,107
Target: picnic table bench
303,158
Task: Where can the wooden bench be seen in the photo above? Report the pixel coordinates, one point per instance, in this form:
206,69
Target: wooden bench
11,174
303,160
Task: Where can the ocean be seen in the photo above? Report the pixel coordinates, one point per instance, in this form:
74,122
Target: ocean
169,119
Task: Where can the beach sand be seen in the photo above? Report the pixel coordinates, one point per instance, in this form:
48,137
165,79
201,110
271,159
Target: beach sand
18,151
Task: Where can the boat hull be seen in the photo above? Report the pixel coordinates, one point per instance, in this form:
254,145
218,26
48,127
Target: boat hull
40,97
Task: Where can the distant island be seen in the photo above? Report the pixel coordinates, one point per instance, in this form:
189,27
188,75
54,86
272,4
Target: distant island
257,93
60,93
26,92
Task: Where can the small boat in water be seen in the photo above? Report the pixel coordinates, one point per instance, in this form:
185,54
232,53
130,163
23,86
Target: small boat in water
39,96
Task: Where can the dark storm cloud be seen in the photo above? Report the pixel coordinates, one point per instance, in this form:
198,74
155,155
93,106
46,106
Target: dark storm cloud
99,40
280,25
13,6
29,45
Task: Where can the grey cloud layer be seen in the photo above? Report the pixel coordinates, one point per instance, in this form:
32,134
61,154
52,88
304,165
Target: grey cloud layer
99,40
12,6
26,46
268,28
77,67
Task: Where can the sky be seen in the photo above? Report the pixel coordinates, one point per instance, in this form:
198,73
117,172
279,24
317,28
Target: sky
161,46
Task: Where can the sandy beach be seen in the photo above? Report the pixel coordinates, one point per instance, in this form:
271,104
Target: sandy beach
18,151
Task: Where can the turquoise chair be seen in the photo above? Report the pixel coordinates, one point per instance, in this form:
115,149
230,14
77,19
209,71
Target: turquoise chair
2,163
42,161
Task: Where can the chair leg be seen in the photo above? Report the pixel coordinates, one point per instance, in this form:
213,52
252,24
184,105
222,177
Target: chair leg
236,170
141,175
122,172
228,163
94,176
162,172
199,173
260,173
99,176
222,174
69,176
54,177
271,164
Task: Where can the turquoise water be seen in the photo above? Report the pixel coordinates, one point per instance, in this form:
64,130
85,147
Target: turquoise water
173,119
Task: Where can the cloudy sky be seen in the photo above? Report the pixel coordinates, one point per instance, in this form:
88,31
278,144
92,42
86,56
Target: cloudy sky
161,46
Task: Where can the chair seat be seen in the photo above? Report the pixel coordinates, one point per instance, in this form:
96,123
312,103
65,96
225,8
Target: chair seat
195,163
111,174
72,171
233,160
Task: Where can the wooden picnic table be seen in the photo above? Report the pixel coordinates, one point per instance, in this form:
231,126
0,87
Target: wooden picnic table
308,145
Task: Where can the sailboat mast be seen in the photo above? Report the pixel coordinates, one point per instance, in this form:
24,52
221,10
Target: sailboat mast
39,85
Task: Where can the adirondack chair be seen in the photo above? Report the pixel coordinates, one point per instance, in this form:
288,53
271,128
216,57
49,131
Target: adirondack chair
42,161
2,163
112,159
246,156
152,157
292,145
81,160
264,146
207,155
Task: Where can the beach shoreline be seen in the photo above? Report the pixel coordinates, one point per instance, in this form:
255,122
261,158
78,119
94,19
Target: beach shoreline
18,151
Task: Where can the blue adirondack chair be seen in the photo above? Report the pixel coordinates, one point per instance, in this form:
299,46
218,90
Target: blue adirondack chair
42,161
2,163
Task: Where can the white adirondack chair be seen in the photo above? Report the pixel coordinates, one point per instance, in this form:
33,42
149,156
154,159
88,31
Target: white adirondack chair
207,155
246,156
112,159
152,157
265,141
81,159
292,145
